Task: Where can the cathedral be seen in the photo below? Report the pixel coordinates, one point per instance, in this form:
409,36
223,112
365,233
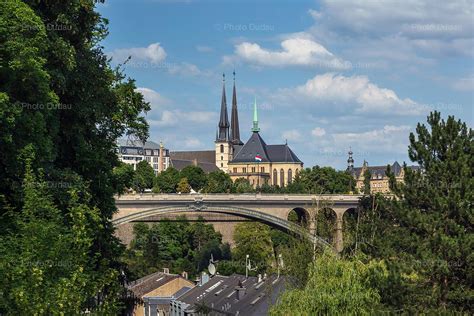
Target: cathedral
253,160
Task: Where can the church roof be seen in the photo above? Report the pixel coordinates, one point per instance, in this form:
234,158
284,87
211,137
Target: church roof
269,153
253,147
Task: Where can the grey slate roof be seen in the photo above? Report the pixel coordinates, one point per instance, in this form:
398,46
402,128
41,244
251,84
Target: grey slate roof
200,155
128,143
379,171
179,164
269,153
150,282
219,294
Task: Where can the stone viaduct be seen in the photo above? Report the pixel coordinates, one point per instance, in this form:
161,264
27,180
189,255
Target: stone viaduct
224,211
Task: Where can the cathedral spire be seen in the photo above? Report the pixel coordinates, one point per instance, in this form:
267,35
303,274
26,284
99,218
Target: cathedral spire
234,120
255,128
350,160
224,120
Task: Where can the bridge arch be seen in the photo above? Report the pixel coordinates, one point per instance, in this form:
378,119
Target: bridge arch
298,215
277,222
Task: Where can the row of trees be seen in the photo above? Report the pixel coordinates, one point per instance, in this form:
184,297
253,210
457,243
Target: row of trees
320,180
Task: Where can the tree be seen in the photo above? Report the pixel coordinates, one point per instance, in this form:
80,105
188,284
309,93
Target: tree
435,204
335,286
45,265
196,177
367,177
167,180
123,175
60,96
143,177
218,182
242,185
254,239
321,180
183,186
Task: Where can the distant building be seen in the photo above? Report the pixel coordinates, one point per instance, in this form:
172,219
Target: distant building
157,290
133,151
379,181
205,159
229,295
255,161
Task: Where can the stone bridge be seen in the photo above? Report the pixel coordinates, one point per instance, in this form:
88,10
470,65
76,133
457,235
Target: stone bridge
225,210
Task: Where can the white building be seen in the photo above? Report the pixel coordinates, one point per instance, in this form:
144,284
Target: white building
132,152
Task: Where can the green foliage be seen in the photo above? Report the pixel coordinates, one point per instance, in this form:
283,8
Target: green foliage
335,287
218,182
60,98
143,177
177,245
46,265
167,180
242,185
183,186
254,239
321,180
425,234
124,176
195,175
367,177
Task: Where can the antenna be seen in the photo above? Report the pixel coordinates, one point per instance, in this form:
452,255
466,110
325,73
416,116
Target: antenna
248,266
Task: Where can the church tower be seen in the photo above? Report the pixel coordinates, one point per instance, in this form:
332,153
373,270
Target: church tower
234,120
223,141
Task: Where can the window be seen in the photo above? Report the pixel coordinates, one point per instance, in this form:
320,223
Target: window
155,166
148,159
275,177
262,169
253,169
290,175
235,170
282,178
244,170
222,157
222,165
155,159
222,148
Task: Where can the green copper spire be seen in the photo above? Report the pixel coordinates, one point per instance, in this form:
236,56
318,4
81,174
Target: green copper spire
255,117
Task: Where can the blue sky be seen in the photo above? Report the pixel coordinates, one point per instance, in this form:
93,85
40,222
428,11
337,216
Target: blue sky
327,75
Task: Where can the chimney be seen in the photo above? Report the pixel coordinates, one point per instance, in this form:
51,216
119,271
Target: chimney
195,162
240,291
166,270
204,278
184,274
161,165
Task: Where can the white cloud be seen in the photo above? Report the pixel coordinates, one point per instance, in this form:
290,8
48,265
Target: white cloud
155,99
292,135
175,117
153,53
192,143
187,69
390,138
318,132
298,50
353,91
464,84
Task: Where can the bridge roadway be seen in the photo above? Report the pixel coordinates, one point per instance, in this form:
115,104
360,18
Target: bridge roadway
272,209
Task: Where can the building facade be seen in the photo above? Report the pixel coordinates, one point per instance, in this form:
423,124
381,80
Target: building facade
379,181
132,152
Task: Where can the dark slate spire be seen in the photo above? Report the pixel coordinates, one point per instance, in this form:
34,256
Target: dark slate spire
350,161
224,119
234,120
